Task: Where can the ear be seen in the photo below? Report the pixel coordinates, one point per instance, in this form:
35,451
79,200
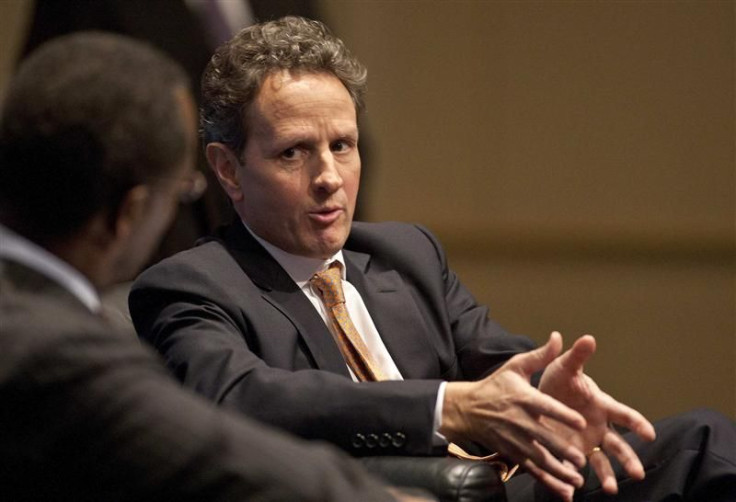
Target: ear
131,211
110,230
224,163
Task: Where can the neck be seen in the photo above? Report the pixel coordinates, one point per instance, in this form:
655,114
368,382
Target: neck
85,256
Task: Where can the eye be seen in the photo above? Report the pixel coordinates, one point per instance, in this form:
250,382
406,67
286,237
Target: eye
340,146
291,154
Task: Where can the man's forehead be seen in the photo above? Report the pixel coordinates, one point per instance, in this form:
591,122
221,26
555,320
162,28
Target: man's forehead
289,102
301,130
279,90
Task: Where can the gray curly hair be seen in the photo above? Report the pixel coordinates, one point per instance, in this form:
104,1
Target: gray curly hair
236,71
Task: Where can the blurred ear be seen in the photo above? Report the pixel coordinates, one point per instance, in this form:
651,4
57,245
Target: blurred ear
224,163
111,230
131,211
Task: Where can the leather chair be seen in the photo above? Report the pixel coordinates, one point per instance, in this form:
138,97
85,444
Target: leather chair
446,478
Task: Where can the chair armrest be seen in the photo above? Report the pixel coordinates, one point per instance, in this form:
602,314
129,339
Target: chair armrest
449,479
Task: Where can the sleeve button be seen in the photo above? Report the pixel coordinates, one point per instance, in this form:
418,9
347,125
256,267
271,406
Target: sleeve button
399,440
371,441
385,440
358,441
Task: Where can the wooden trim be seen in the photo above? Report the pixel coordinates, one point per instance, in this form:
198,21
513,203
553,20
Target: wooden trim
563,244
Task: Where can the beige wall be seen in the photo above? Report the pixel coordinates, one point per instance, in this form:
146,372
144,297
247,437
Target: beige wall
14,16
577,160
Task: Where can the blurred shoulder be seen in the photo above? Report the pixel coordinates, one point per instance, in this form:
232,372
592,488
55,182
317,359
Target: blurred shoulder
365,235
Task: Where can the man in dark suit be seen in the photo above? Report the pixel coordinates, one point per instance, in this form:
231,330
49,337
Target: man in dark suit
97,142
399,358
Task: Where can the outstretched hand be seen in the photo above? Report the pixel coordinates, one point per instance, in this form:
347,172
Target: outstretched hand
505,413
564,380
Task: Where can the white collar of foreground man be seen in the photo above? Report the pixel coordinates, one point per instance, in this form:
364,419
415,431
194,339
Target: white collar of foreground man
19,249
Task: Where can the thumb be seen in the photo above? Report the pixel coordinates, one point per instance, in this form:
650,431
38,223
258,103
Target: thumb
538,359
574,359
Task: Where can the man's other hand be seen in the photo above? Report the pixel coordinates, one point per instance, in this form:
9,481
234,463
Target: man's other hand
565,381
505,413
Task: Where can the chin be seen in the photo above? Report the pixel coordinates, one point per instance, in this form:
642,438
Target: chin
327,249
319,251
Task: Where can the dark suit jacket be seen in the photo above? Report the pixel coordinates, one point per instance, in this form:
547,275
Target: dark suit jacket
233,326
87,414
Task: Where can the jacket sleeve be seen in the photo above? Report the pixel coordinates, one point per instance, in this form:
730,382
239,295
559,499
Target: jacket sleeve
204,319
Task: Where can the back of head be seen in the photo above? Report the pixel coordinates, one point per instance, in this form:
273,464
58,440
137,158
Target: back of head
87,117
236,71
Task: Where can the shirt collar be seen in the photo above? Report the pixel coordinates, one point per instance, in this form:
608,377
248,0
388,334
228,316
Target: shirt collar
21,250
299,268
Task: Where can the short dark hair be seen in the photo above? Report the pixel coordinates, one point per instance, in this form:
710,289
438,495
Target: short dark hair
87,117
236,71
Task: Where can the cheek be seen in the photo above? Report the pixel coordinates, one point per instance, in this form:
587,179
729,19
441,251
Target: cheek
352,183
289,191
274,199
163,215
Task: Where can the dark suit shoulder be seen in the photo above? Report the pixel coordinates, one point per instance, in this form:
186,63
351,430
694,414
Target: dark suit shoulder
365,236
407,248
209,262
190,258
206,278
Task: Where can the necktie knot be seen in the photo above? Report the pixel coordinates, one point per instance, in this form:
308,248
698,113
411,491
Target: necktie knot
329,284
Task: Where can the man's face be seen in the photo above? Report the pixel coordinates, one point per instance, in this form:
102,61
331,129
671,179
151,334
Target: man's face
300,167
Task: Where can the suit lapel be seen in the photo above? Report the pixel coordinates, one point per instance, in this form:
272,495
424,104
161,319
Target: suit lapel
395,314
281,291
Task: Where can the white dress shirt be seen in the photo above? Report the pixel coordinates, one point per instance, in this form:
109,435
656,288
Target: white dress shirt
21,250
301,269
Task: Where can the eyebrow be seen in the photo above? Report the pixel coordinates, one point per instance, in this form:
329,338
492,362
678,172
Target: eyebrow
297,135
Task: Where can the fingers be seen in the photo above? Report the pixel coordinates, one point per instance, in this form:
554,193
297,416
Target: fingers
602,467
616,446
546,406
581,351
620,414
565,471
561,447
535,360
564,490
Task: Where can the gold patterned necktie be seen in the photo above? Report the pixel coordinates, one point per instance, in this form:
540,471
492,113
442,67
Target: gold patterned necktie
351,344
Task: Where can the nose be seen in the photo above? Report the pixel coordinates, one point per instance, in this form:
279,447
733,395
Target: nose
327,177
